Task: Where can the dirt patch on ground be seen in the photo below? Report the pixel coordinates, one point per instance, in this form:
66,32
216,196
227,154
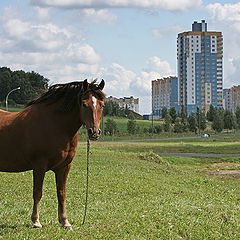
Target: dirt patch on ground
226,166
222,172
224,169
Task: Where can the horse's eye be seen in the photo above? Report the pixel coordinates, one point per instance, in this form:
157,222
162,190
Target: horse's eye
84,105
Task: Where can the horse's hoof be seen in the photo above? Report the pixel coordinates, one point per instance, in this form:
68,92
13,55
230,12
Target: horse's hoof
37,225
68,227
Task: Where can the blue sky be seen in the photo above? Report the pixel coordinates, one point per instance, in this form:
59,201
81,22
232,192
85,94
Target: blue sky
126,42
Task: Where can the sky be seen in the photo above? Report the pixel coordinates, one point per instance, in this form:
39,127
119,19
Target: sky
128,43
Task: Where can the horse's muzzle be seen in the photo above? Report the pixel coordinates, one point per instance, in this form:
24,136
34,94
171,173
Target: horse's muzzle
93,134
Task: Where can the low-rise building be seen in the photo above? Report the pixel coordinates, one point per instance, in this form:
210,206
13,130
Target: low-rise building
131,102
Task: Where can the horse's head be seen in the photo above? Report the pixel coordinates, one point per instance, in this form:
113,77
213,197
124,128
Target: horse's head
91,109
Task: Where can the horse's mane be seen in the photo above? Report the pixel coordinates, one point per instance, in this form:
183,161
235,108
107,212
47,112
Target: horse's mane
71,93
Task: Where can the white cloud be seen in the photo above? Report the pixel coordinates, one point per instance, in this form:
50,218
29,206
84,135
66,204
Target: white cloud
160,66
172,5
226,18
43,14
118,79
59,53
62,54
123,82
167,31
97,16
226,12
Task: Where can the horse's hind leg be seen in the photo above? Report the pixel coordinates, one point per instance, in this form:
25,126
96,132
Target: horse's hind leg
61,179
38,176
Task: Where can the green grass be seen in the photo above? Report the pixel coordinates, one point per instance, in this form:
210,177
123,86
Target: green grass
225,145
133,194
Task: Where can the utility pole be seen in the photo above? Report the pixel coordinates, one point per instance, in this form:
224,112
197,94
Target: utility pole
152,111
199,123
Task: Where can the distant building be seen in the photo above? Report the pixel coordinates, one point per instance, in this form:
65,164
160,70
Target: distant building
164,94
200,68
231,98
131,103
235,91
227,99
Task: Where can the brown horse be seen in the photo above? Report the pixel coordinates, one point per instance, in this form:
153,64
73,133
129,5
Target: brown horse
44,136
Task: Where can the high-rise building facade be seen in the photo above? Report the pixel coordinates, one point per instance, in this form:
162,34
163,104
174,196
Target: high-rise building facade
200,68
164,94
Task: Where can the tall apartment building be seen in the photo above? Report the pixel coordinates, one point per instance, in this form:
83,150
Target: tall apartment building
164,94
200,68
131,102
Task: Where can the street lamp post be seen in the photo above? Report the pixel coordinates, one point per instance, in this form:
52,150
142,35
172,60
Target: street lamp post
8,95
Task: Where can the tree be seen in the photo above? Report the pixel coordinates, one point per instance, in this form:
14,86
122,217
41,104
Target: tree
31,84
228,120
203,122
173,114
112,108
164,112
192,123
108,109
167,123
132,126
211,112
110,127
184,121
157,129
237,115
218,123
178,125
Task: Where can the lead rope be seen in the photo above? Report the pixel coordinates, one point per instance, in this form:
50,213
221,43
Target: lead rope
88,151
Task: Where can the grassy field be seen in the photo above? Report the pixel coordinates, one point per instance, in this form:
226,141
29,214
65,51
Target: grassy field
122,128
134,194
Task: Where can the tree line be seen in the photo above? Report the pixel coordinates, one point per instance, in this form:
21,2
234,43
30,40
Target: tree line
175,122
113,109
30,83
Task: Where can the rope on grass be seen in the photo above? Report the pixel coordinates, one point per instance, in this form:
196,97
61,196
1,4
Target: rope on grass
85,210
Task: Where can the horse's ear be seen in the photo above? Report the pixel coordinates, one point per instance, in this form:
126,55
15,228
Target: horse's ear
101,85
85,85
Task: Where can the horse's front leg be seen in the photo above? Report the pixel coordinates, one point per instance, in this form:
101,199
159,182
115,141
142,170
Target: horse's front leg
38,176
61,179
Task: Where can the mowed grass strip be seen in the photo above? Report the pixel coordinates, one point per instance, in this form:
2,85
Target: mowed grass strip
217,145
133,194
